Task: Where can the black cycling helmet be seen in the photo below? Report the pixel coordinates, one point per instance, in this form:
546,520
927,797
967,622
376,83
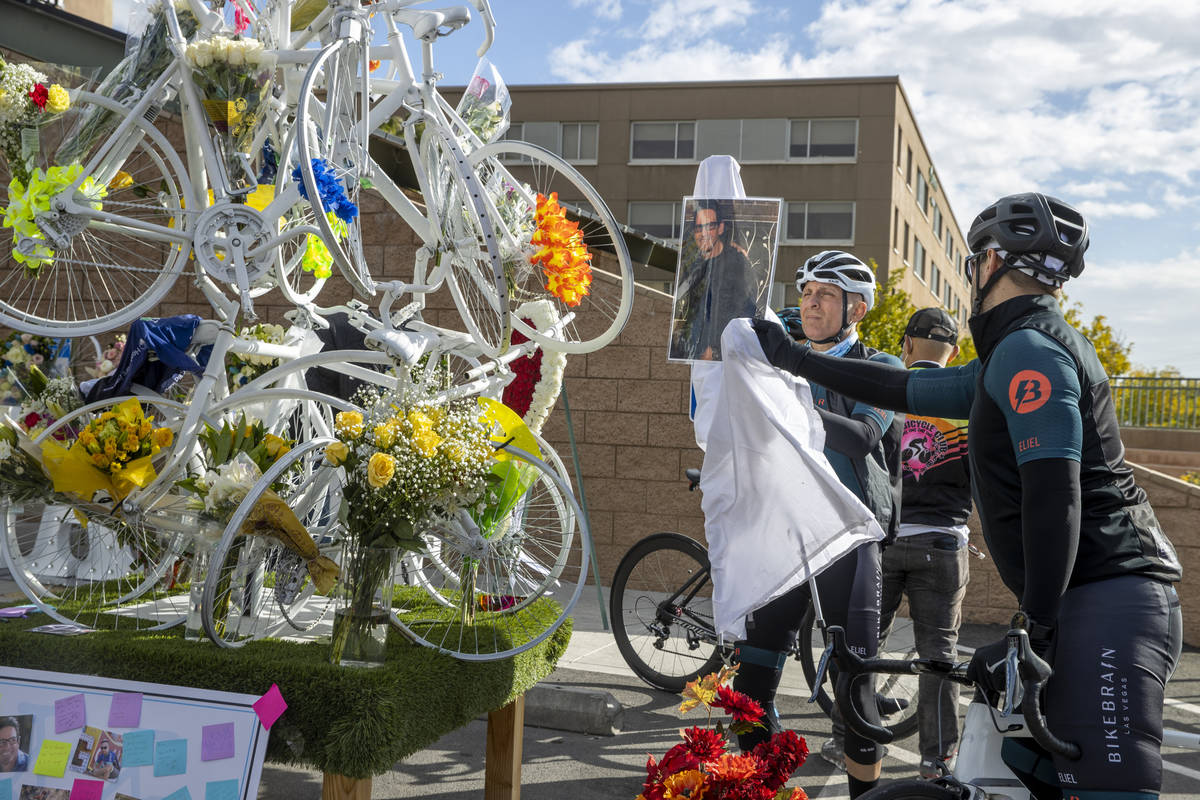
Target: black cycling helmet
1042,235
790,317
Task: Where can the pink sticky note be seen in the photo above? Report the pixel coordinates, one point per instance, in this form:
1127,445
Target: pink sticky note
216,741
69,713
87,790
126,710
270,706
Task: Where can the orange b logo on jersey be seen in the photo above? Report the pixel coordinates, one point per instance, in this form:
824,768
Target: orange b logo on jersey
1028,391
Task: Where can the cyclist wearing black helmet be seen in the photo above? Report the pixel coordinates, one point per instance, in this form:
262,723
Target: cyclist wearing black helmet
1071,534
862,444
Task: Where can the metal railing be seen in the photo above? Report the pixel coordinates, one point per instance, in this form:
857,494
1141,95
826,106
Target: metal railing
1157,402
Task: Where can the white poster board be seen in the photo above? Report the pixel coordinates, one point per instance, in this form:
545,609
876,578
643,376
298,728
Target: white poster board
175,739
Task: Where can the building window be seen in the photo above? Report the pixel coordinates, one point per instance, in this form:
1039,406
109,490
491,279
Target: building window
935,278
579,141
906,229
657,219
899,149
823,138
919,258
937,220
820,222
922,194
947,294
895,230
950,249
908,169
655,141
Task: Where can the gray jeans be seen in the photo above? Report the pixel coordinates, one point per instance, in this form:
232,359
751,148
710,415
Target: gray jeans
932,570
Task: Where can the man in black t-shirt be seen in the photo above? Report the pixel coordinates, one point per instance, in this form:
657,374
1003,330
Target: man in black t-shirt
716,287
928,561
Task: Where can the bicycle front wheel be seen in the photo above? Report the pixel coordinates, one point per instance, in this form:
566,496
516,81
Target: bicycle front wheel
913,789
661,610
892,690
514,175
65,274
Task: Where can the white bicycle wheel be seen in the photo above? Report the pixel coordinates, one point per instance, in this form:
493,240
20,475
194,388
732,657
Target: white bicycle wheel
468,241
513,595
259,585
514,174
84,563
98,276
331,130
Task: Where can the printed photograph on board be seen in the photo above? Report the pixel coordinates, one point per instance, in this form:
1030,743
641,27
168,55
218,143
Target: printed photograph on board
43,793
726,259
15,733
98,754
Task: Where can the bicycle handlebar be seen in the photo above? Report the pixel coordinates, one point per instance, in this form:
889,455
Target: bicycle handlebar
489,26
1033,671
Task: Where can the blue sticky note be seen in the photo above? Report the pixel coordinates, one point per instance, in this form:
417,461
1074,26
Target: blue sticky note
6,789
69,713
221,790
137,749
170,757
179,794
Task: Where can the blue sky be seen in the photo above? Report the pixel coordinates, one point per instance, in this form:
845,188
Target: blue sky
1094,101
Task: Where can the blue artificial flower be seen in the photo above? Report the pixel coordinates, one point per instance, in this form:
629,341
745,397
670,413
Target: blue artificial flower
333,194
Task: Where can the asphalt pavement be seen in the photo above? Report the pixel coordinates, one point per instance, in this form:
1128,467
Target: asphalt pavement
561,764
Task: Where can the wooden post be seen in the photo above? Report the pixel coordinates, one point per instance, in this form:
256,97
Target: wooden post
502,767
339,787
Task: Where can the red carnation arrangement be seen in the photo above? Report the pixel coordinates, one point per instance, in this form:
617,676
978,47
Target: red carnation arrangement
39,94
701,768
527,371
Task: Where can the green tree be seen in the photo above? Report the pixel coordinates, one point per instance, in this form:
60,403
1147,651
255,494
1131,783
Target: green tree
1110,345
966,352
884,324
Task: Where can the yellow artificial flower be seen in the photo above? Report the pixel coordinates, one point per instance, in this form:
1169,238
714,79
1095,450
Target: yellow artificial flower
348,424
120,181
426,442
336,453
162,437
419,420
380,470
57,99
276,446
689,784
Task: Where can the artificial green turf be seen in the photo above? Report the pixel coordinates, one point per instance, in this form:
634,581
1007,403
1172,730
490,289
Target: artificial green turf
349,721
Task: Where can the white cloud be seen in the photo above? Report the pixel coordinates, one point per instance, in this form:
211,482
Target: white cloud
695,19
1093,210
1093,189
604,9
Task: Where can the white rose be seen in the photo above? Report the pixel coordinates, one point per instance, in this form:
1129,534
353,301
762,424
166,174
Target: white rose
5,450
236,55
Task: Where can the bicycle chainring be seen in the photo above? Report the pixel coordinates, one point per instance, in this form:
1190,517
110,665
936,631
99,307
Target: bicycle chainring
227,226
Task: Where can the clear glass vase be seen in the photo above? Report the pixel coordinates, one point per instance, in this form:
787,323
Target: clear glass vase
362,606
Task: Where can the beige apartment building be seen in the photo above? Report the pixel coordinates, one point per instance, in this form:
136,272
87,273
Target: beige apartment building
845,155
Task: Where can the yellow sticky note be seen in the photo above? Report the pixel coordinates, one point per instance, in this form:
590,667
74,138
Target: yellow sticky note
52,758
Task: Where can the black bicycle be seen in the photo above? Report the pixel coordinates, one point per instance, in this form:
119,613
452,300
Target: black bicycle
662,617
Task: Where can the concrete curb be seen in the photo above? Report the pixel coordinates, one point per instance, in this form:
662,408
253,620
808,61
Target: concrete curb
570,708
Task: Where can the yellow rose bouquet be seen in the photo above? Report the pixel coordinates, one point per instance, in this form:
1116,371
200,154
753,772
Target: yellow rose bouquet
406,465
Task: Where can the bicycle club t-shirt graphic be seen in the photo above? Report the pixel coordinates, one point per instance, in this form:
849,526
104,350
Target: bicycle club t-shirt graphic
930,441
1028,391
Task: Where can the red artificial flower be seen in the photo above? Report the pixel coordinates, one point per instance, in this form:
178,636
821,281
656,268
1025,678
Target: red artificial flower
39,94
31,420
746,790
527,373
739,705
779,757
678,759
704,743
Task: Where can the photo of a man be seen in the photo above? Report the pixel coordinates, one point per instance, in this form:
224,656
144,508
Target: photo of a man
14,743
725,264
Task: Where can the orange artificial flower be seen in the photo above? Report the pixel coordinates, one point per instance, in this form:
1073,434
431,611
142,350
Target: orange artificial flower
687,785
562,254
733,768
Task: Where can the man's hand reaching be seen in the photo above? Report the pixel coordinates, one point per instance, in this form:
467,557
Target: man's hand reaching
777,346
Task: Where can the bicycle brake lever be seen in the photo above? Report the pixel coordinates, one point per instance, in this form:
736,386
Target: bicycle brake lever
1014,692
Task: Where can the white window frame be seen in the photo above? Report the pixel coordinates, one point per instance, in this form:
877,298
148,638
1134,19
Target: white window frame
787,150
919,265
853,223
676,123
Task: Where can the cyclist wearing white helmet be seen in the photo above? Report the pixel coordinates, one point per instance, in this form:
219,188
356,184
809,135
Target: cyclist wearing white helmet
862,444
1070,532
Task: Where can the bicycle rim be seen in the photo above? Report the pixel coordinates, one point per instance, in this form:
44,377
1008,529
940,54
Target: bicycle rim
516,595
105,274
468,249
514,174
665,633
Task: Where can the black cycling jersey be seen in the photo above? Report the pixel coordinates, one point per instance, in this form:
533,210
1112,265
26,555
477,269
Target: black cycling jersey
1031,402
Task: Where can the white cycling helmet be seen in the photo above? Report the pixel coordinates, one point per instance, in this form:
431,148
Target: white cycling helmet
840,269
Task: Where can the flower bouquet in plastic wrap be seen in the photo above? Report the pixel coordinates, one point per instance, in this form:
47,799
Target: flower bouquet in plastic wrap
485,103
234,78
28,100
701,766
